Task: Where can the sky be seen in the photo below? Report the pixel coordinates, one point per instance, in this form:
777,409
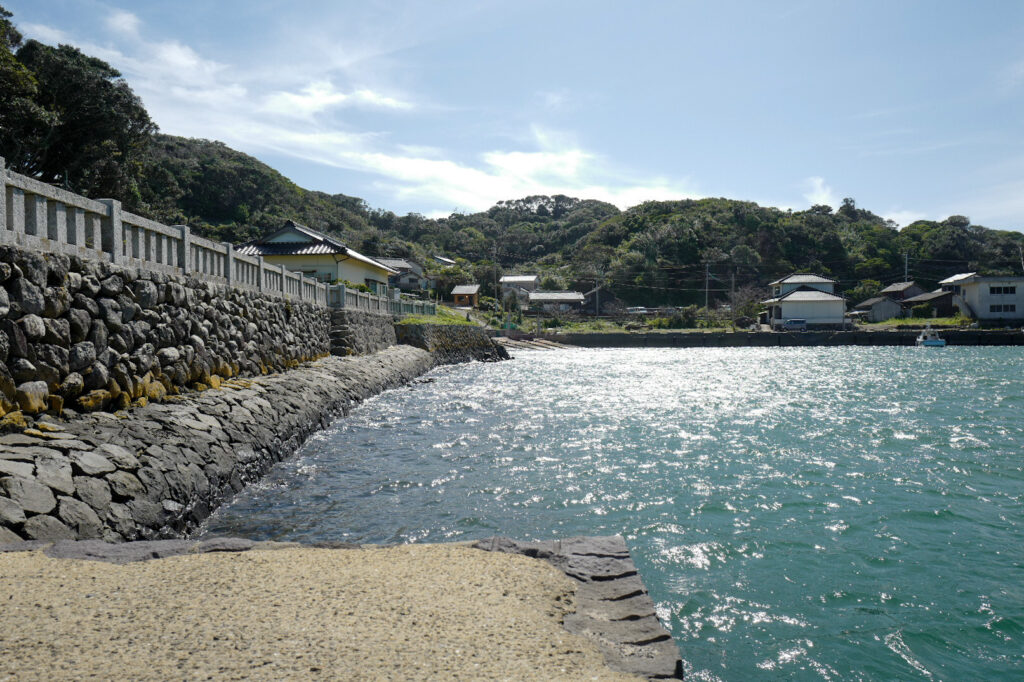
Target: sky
915,109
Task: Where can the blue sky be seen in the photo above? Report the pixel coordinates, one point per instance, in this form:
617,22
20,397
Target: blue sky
915,109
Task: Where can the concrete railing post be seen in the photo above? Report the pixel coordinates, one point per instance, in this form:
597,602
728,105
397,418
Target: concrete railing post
3,194
284,282
185,249
259,273
229,262
112,231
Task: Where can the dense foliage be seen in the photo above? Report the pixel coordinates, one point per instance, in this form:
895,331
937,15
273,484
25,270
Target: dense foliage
71,119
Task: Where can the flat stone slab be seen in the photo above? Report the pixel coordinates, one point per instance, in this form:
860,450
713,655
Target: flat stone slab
613,608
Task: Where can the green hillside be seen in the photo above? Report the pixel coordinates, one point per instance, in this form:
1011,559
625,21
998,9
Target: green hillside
70,119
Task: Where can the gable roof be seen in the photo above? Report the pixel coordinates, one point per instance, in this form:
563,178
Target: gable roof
518,279
930,296
803,278
963,276
309,243
871,302
466,289
395,263
898,287
556,297
806,294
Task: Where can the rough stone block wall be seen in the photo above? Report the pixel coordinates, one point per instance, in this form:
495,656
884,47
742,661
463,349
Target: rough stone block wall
157,471
358,332
85,335
451,343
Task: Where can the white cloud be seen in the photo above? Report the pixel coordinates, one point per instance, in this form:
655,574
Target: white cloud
1013,75
297,113
320,96
44,33
123,23
904,218
816,191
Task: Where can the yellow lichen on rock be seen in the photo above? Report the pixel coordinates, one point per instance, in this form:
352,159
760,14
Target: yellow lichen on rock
94,400
14,420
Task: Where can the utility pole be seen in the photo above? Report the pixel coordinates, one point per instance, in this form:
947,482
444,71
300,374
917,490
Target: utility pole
906,266
707,311
1021,251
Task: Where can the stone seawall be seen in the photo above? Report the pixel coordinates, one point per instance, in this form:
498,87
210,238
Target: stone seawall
451,343
358,332
158,470
86,335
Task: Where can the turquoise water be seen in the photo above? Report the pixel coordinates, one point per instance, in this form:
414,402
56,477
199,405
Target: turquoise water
807,513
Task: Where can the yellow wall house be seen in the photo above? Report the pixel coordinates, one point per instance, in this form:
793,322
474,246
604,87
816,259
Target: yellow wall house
312,253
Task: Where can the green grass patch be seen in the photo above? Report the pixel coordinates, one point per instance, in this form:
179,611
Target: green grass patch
444,316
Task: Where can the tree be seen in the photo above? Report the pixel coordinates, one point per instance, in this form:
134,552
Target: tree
23,123
97,130
865,289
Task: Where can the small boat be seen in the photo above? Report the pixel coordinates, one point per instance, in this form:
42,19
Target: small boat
930,337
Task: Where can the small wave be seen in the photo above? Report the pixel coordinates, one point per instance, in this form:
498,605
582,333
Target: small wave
894,641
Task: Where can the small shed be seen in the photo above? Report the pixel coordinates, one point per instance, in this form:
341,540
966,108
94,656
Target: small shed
467,295
879,309
941,302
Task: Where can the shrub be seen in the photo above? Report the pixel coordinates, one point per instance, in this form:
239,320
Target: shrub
922,310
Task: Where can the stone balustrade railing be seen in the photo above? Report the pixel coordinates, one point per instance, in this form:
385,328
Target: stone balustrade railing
38,216
41,217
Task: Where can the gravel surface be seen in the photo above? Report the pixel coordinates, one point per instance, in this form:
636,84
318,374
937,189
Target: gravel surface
406,612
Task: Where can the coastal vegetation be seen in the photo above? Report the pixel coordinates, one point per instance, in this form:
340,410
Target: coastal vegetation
71,119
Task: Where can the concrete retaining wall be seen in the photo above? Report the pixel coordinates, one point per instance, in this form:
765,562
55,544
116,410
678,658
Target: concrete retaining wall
158,471
356,332
451,343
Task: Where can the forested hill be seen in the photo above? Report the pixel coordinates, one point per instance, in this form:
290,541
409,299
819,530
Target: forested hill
71,119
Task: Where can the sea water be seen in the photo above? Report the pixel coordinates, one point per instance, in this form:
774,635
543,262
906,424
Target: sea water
804,513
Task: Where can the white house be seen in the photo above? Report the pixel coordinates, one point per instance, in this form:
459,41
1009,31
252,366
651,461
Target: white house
805,297
995,297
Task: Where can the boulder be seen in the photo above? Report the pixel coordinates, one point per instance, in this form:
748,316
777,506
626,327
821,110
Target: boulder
31,396
30,495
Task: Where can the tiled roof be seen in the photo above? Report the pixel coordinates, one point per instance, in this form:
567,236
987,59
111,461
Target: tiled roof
466,289
806,295
803,278
517,279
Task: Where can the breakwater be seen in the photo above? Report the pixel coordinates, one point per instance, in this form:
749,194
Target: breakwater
966,337
158,470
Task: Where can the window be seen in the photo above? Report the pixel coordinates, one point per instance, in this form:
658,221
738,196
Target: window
1002,308
1002,291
